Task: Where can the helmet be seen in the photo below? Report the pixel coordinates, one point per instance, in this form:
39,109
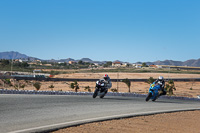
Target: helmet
160,78
105,76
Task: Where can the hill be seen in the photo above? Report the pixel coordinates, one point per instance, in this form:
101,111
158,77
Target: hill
12,55
17,55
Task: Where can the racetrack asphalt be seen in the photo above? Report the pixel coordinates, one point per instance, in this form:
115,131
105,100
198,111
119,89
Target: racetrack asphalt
36,113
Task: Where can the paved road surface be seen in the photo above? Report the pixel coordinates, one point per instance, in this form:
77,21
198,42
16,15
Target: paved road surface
27,113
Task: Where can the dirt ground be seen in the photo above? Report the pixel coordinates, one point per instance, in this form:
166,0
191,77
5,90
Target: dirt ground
127,75
187,89
181,122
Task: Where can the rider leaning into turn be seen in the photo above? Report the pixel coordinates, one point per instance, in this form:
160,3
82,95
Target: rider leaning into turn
107,81
160,81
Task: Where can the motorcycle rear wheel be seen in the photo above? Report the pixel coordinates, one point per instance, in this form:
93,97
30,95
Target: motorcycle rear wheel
148,96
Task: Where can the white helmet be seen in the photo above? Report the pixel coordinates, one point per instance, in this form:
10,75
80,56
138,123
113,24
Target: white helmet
160,78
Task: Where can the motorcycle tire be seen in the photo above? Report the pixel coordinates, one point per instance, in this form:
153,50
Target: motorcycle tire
104,94
148,96
154,99
95,93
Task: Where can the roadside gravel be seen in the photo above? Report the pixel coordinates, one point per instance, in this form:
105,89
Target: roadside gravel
179,122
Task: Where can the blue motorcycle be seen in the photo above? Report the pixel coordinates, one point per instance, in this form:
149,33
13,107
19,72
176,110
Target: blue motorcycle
153,92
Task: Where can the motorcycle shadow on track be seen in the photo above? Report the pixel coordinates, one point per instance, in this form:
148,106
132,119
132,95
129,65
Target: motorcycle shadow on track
120,99
176,102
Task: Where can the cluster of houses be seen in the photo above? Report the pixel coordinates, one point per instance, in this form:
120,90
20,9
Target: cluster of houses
114,64
120,64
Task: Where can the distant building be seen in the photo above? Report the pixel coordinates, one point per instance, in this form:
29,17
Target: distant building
117,64
155,66
158,66
71,62
138,66
96,64
18,60
35,62
47,64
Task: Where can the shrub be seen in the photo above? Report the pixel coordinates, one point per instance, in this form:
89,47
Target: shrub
51,86
170,87
150,80
114,90
88,88
128,83
75,86
37,85
8,82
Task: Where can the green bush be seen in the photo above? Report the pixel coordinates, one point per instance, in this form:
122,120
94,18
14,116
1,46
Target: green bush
114,90
75,86
128,83
150,80
170,87
87,88
37,85
51,86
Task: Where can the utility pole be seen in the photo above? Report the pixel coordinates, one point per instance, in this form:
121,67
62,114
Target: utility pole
168,72
117,80
11,66
3,85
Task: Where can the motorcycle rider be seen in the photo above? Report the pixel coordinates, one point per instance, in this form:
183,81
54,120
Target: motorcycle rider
160,81
107,81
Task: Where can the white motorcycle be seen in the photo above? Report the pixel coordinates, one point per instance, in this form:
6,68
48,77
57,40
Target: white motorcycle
100,89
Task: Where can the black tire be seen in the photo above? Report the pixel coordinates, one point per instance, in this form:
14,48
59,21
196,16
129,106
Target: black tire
104,94
148,96
95,93
154,99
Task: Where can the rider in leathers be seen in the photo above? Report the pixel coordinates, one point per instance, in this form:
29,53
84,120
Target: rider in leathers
107,82
160,81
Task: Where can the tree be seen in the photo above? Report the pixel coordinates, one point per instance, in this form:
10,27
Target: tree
114,90
80,62
75,86
7,82
51,87
108,64
150,80
170,86
88,88
144,64
4,62
19,85
37,85
128,83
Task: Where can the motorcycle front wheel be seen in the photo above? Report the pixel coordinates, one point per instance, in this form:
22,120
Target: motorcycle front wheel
104,94
95,93
148,96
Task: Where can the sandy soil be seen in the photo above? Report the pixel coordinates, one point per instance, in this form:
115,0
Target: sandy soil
127,75
181,122
188,89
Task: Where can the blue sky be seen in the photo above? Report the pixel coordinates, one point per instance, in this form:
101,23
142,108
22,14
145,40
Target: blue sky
103,30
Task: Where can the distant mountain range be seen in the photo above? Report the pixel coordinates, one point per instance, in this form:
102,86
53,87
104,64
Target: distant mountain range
17,55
